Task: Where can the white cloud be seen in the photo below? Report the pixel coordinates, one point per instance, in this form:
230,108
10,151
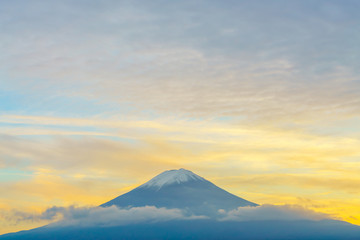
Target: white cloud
110,216
114,216
272,212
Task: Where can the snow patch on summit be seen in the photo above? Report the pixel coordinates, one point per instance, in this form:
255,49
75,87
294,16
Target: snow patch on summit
172,177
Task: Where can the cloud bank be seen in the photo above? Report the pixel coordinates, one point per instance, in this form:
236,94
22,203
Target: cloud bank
114,216
98,216
272,212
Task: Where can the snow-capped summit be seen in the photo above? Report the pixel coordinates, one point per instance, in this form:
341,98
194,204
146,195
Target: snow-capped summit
172,177
181,189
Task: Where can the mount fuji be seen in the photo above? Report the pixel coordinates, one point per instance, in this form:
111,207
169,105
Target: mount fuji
181,205
181,189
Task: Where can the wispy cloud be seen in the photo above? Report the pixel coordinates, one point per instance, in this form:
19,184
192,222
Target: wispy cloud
165,63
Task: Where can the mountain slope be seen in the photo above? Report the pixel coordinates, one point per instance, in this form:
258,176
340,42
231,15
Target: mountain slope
180,189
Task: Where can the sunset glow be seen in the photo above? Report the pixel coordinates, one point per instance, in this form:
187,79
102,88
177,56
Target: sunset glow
97,97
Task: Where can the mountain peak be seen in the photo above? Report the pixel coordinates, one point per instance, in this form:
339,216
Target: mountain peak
181,189
172,177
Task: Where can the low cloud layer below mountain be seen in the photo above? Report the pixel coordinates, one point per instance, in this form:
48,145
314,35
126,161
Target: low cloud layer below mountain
271,212
114,216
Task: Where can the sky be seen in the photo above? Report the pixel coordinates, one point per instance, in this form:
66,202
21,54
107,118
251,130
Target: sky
260,97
